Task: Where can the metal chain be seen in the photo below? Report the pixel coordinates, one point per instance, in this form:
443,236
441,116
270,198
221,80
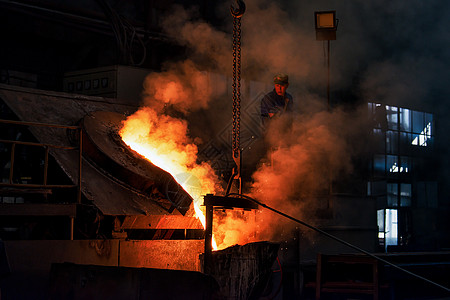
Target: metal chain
237,14
236,85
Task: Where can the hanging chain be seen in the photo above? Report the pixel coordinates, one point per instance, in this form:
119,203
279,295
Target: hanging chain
236,85
237,14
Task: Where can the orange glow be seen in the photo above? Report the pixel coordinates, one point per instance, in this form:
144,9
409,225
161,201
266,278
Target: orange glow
164,141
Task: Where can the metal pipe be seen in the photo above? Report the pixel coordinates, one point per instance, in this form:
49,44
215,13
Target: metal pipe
208,238
77,21
29,185
37,124
72,219
37,144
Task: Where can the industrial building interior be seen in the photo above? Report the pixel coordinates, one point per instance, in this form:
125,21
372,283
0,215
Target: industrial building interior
84,214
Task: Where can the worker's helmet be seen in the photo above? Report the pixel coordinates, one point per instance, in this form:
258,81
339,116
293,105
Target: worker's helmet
282,79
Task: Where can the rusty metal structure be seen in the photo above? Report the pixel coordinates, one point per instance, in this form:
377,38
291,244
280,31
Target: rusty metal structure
88,192
143,217
137,187
104,148
14,187
212,202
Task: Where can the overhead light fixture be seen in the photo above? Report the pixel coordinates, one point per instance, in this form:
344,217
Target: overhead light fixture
326,25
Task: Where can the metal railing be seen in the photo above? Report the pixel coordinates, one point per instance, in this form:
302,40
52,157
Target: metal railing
46,147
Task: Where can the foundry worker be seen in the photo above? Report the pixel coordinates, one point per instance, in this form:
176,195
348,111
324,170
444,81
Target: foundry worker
278,102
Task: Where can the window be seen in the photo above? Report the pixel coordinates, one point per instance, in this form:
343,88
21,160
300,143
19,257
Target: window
405,194
392,163
391,142
405,127
398,194
405,119
392,195
392,117
422,138
391,227
379,165
387,220
401,175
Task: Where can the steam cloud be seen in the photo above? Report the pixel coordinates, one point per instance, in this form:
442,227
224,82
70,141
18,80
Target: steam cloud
386,51
181,86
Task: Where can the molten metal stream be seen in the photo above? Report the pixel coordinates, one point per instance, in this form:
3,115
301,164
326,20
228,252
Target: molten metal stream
163,140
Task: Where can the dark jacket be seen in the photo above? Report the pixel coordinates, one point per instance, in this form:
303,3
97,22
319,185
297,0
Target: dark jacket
273,103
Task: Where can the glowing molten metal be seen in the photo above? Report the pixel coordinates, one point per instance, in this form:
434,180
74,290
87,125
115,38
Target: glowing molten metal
163,140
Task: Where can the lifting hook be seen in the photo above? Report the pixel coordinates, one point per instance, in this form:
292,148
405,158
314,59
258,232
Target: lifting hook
237,13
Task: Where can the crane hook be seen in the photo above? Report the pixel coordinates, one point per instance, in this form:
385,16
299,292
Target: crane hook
237,13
